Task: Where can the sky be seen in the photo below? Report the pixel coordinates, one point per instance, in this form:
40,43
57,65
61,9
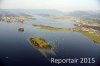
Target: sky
62,5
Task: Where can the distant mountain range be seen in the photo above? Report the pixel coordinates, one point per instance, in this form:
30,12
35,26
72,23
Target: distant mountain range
17,12
93,16
85,14
47,12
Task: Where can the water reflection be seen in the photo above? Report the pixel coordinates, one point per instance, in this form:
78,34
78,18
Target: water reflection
1,63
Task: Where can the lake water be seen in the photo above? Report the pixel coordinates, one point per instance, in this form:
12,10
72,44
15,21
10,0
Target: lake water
60,23
15,49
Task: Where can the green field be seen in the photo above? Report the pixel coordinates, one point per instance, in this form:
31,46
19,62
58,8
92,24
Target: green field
93,37
54,28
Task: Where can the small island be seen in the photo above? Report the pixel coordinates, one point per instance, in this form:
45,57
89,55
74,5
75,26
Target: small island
42,46
21,30
40,43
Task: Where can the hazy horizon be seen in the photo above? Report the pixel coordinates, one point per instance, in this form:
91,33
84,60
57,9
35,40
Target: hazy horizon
61,5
